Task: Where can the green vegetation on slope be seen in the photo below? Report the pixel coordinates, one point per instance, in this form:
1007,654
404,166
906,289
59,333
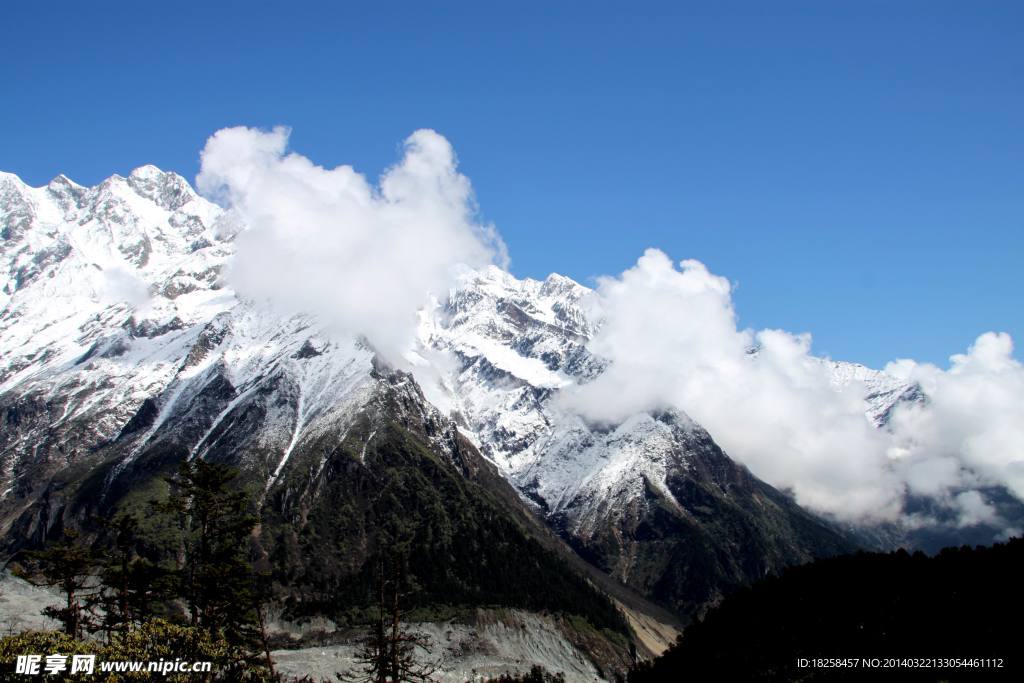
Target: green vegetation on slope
467,548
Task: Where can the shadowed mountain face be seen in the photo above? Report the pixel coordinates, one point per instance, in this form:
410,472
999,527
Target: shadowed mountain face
124,352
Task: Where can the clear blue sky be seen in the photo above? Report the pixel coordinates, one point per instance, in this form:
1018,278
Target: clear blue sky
856,167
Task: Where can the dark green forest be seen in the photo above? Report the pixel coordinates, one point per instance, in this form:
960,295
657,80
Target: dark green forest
184,563
962,603
466,544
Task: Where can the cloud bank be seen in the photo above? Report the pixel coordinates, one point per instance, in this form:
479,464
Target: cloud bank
672,340
366,257
329,242
970,433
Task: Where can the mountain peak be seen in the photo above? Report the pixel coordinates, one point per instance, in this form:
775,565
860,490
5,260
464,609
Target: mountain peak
151,173
560,285
146,171
558,279
10,178
61,180
165,188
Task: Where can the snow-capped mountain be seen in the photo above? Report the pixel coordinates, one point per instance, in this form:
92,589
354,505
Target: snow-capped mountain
517,343
117,330
123,354
882,392
123,350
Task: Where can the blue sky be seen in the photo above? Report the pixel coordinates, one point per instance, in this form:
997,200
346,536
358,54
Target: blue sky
855,167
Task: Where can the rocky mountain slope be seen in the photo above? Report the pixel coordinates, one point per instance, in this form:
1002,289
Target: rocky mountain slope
653,500
123,350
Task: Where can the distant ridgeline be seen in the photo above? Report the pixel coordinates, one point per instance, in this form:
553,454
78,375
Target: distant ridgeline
868,613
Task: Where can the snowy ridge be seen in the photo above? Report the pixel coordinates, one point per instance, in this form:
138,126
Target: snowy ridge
517,343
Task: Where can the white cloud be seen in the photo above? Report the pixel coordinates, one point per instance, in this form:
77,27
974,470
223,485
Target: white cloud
974,510
327,241
366,256
120,284
672,340
973,422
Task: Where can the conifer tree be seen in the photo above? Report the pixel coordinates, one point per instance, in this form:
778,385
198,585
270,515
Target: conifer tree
132,586
215,577
389,650
68,565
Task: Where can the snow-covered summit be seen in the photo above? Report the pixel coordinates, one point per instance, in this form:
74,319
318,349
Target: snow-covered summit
76,261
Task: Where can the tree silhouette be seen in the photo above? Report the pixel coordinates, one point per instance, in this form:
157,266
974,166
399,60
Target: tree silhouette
388,653
133,587
215,577
962,603
70,566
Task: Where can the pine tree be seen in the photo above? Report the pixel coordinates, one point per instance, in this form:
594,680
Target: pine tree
68,565
215,577
389,650
132,586
118,572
